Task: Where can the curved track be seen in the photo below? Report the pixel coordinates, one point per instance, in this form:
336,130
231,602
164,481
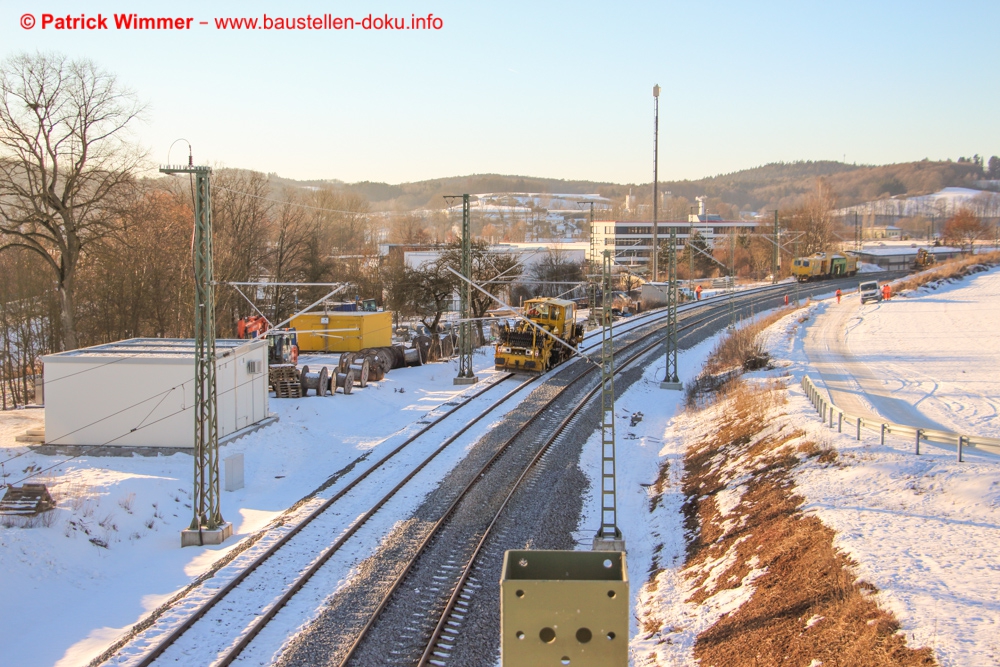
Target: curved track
277,573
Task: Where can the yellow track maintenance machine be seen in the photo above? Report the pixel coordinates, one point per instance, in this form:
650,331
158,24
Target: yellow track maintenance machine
923,260
821,266
522,348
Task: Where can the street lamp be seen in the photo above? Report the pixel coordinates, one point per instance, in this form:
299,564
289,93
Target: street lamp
656,155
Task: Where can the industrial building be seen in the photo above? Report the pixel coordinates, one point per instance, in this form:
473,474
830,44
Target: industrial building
632,242
140,392
898,257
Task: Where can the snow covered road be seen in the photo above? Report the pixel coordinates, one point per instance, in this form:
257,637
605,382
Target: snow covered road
927,359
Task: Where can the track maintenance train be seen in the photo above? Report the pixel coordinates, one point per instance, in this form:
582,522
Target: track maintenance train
522,348
820,266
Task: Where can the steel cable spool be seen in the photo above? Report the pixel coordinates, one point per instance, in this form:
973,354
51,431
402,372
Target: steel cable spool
398,356
413,357
346,359
361,371
384,359
318,382
345,381
447,346
375,373
423,344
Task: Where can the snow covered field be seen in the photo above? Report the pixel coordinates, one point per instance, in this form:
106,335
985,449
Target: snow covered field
927,358
922,529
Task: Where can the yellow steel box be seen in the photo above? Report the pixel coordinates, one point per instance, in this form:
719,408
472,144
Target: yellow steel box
342,331
564,608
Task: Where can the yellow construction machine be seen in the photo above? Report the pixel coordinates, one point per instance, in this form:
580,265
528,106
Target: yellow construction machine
548,338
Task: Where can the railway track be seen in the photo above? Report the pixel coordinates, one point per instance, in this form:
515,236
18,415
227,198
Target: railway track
226,619
266,561
440,561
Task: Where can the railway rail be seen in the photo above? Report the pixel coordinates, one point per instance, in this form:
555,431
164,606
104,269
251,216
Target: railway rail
274,574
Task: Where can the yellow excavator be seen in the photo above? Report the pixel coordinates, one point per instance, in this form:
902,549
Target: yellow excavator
923,259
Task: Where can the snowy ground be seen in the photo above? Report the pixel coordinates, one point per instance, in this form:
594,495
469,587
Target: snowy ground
61,571
922,529
111,552
922,358
653,538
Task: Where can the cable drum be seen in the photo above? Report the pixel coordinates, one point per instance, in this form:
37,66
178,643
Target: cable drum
318,382
360,367
345,381
423,344
345,361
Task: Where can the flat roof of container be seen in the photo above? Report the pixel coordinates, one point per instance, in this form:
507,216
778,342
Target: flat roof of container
893,251
154,348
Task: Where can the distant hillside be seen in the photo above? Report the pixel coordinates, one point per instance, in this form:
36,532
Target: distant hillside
781,185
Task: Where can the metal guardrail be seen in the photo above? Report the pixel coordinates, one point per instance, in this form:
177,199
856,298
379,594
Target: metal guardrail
828,412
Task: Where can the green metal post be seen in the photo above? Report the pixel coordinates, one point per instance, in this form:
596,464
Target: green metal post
777,258
465,372
592,278
207,510
671,379
732,283
609,537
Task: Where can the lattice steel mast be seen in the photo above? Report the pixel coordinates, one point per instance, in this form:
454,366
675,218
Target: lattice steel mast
207,525
609,537
465,372
671,380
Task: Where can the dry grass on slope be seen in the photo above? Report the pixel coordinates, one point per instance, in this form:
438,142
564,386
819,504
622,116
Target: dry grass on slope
806,604
952,270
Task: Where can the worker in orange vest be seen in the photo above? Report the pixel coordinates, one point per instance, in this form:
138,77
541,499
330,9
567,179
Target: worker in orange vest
838,296
697,292
886,292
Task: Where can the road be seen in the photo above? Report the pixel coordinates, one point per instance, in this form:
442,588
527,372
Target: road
915,361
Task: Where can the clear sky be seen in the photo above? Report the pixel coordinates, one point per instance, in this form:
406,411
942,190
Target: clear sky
555,89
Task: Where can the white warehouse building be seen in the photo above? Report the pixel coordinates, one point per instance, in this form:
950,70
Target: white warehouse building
140,392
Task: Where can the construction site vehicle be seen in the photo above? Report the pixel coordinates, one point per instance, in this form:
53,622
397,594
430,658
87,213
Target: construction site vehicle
523,347
870,291
282,347
820,266
923,259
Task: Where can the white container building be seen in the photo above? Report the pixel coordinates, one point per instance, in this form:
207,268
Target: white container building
140,392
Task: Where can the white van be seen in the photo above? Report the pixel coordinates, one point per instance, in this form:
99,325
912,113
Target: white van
870,291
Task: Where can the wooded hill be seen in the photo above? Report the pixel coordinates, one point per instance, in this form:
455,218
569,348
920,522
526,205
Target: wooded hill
781,185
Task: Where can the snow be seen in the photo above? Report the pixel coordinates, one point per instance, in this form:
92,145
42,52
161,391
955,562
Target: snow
920,528
919,359
138,505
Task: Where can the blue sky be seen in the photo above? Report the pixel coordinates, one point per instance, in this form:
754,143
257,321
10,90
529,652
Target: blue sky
554,89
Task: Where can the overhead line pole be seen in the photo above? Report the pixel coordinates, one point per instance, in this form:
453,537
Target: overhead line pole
207,525
777,257
465,373
609,537
656,154
671,380
592,277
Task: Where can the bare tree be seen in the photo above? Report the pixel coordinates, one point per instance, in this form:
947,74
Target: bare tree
493,271
815,218
963,230
555,274
65,154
